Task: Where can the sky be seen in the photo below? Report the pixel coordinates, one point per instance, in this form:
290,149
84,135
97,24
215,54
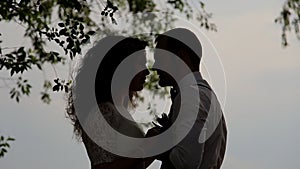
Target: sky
261,106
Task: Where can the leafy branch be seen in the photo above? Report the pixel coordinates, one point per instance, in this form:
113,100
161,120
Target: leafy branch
289,19
4,145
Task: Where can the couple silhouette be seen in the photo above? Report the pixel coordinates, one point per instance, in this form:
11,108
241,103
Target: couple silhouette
193,134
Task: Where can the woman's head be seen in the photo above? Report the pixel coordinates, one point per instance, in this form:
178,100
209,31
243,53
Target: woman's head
119,48
118,53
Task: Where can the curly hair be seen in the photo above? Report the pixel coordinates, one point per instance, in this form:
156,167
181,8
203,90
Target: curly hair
110,62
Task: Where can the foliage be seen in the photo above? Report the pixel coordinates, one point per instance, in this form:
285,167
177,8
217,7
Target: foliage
4,145
289,19
71,24
73,30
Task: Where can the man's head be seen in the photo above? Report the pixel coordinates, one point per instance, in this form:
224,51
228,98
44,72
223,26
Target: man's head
181,43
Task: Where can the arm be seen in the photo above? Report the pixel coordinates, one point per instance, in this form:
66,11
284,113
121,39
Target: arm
129,163
188,153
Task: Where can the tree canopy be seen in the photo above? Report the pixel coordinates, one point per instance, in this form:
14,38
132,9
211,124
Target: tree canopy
70,25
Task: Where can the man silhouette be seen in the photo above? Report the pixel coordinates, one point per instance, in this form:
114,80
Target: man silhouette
204,146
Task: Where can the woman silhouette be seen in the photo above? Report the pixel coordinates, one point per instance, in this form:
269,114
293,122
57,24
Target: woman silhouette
100,158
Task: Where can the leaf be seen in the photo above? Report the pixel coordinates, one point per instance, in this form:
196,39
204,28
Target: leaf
85,40
47,84
45,97
56,80
66,89
202,4
81,27
10,56
73,31
41,8
11,139
21,49
55,88
70,45
91,32
55,53
69,82
63,32
56,40
39,66
12,71
61,24
23,89
12,95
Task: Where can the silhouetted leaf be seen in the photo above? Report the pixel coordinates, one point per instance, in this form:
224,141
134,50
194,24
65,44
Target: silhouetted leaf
56,88
81,27
63,32
66,89
11,139
61,24
91,32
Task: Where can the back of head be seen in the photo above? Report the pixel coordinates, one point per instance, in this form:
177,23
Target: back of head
184,44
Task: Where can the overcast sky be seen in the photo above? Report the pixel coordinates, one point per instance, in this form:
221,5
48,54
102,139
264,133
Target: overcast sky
261,109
